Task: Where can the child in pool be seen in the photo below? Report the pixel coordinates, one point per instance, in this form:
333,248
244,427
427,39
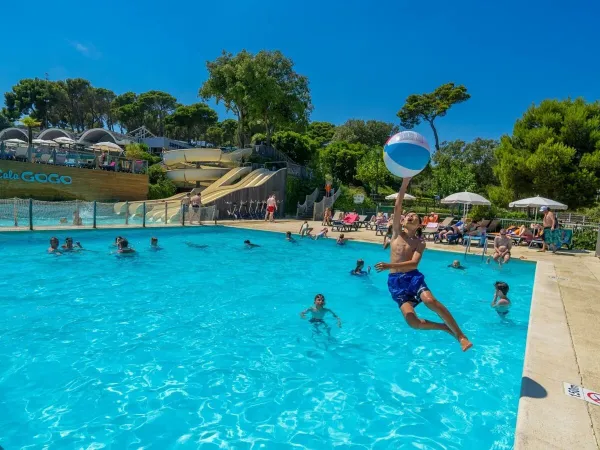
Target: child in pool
124,247
69,247
322,233
501,303
341,240
305,229
318,311
154,244
250,244
288,237
358,270
54,246
406,284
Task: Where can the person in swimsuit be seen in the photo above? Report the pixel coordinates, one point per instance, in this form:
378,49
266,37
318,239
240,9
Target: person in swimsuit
69,247
54,246
305,229
322,233
288,237
185,204
550,225
154,244
250,244
318,311
406,284
341,240
358,270
196,203
501,303
124,247
271,208
502,246
457,265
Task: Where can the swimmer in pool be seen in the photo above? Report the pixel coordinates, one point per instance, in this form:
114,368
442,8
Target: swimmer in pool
117,239
250,244
288,237
69,247
54,246
318,311
406,284
124,247
321,234
154,244
341,240
501,303
457,265
358,270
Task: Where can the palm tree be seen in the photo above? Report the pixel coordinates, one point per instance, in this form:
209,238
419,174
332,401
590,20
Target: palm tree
30,123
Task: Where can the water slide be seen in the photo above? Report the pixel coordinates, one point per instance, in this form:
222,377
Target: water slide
173,210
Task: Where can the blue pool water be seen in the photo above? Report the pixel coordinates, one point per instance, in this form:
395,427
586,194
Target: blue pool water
204,348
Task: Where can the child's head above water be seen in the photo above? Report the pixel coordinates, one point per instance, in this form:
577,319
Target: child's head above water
502,287
288,234
360,263
341,236
456,263
319,300
123,243
53,242
247,241
154,241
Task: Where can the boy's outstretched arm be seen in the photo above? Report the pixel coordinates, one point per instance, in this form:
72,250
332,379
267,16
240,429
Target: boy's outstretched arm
339,321
303,313
398,206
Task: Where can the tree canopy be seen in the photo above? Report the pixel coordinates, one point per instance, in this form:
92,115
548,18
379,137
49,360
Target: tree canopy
371,133
429,106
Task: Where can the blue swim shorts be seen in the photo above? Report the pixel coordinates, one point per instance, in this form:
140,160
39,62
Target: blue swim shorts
407,287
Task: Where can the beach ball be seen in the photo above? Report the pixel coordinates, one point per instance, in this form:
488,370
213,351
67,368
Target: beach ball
406,154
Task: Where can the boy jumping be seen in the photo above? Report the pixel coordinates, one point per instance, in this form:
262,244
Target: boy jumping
405,283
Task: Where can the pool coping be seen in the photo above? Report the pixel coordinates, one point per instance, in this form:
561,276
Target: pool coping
546,417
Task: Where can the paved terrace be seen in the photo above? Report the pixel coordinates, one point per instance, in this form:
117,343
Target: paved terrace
563,340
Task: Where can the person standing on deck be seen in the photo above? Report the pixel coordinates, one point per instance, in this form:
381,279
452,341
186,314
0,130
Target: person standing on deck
550,224
405,283
196,203
271,208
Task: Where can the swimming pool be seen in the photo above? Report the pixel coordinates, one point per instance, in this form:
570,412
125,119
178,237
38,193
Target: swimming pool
190,347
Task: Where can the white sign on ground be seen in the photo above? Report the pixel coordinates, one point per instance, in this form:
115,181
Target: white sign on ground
572,390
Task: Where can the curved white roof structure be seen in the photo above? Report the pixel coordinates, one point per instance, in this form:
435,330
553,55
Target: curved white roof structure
14,133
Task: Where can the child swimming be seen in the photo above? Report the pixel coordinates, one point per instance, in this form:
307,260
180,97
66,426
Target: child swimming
124,247
341,240
358,270
288,237
501,303
322,233
318,311
250,244
405,283
54,246
154,244
305,229
69,247
457,265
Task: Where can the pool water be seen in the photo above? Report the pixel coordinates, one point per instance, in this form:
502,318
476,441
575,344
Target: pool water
204,348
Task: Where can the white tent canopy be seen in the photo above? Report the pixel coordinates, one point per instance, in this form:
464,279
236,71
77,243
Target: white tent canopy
15,141
64,140
537,202
466,198
107,146
406,197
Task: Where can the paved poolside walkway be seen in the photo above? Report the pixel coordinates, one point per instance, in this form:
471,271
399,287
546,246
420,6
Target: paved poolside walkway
563,342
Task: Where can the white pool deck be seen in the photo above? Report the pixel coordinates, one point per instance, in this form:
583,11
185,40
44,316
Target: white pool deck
563,341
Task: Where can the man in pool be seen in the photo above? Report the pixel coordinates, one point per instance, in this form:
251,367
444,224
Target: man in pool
54,246
358,270
501,303
502,247
318,311
405,283
250,244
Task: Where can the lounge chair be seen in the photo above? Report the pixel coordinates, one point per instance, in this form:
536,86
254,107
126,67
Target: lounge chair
430,229
371,223
446,222
381,229
362,221
493,225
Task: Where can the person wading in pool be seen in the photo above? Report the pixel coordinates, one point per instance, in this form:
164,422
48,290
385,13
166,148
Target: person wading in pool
405,283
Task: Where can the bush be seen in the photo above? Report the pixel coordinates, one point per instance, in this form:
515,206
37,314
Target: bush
585,240
140,151
296,189
164,188
345,201
258,137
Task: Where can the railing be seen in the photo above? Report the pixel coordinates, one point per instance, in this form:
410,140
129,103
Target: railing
327,202
308,203
83,159
16,213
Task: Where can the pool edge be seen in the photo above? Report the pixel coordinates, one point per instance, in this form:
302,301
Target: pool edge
546,417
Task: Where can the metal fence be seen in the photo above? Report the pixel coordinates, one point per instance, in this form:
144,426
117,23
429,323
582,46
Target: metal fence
35,214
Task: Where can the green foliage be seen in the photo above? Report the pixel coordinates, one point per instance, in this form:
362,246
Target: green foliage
297,146
585,239
427,107
340,159
214,135
500,196
160,185
345,202
195,119
139,151
371,133
296,190
371,170
229,127
258,137
30,123
5,122
321,132
553,152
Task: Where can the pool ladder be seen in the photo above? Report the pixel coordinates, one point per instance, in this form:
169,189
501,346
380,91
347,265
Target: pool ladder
485,246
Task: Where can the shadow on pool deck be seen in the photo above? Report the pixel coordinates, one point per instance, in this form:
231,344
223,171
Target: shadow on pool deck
532,389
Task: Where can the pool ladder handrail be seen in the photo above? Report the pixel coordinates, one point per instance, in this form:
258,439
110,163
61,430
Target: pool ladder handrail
485,245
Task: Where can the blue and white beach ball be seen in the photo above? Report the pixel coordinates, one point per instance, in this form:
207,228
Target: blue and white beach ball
406,154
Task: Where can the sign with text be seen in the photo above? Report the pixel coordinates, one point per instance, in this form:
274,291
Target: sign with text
30,177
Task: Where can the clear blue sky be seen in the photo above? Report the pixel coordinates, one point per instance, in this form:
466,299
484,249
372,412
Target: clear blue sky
362,60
